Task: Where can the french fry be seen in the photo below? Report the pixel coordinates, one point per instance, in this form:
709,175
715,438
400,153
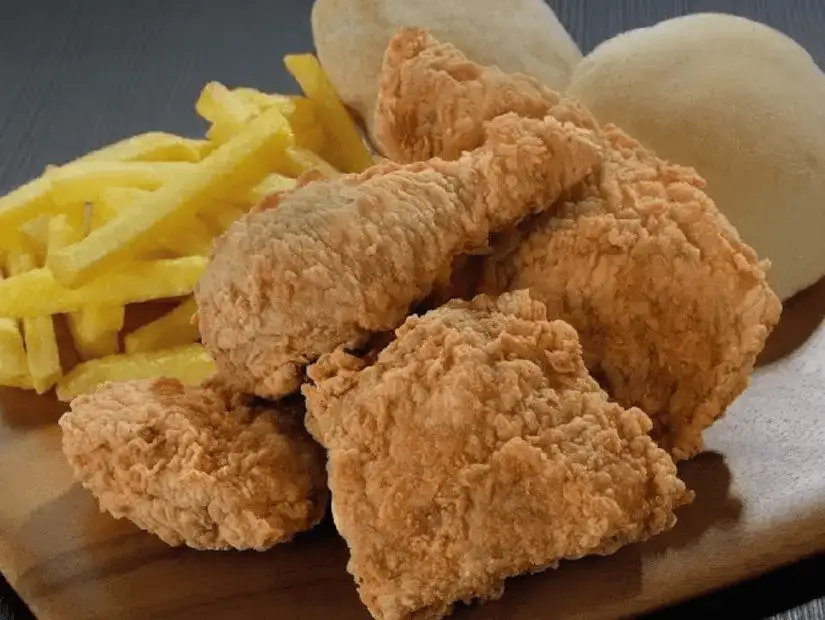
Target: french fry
175,328
187,240
189,364
36,233
303,160
346,150
14,367
42,353
219,217
273,184
298,111
260,99
94,329
151,146
85,181
118,199
227,112
244,161
25,203
63,230
37,292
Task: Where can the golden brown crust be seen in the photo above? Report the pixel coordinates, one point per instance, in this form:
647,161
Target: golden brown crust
204,467
671,306
476,448
433,101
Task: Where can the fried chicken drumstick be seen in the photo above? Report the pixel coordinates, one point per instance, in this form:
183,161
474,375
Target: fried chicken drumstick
340,259
476,448
672,307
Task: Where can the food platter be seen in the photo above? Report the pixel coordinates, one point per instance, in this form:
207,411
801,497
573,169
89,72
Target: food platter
760,497
758,483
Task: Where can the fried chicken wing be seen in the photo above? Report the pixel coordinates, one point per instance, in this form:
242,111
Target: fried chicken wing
433,101
197,466
337,260
672,307
476,447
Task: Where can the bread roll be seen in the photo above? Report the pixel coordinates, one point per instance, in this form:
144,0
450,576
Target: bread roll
516,35
741,103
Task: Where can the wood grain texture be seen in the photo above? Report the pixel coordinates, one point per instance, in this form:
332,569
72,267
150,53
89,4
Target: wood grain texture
79,74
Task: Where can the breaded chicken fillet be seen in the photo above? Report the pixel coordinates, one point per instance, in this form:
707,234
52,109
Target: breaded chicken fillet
197,466
476,448
671,306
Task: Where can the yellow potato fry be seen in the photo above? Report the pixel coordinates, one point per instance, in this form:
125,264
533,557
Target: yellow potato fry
117,199
305,161
217,103
227,112
25,203
242,162
175,328
95,330
298,111
152,146
259,99
85,181
37,292
187,240
273,184
14,367
189,364
34,237
42,353
346,150
63,231
219,217
37,230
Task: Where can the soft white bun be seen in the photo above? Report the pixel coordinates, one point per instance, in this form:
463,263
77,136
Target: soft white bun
516,35
741,103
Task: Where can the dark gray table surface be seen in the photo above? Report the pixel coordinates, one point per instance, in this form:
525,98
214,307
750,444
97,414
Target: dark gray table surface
77,74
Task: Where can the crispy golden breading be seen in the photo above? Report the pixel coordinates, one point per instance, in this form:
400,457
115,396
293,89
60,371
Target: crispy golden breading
197,466
433,102
476,448
672,307
333,261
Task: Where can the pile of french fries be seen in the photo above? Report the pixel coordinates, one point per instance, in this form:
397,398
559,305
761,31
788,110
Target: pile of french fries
134,222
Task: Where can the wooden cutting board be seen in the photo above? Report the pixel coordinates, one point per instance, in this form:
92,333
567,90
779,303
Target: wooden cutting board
760,503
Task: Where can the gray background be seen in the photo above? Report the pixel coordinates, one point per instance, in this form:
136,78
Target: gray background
77,74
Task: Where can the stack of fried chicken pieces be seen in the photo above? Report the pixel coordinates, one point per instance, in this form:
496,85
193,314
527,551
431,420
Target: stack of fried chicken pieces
500,340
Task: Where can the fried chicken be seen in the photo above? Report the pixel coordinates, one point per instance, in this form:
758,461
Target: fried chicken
476,448
340,259
671,306
197,466
433,102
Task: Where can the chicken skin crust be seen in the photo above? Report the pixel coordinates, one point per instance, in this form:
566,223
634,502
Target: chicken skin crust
476,448
197,466
433,101
672,308
334,261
